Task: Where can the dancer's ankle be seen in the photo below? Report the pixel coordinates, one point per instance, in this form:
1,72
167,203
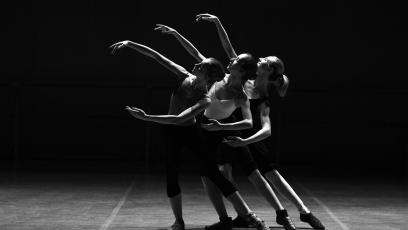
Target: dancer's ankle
304,211
180,220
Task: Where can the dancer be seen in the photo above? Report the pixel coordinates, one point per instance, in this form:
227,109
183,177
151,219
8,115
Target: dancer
227,96
242,154
269,87
188,100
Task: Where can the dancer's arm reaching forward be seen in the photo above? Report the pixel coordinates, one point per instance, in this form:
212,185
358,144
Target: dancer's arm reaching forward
173,67
263,133
245,123
226,44
184,42
171,119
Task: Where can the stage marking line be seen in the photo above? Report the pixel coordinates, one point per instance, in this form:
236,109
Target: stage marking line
115,211
331,214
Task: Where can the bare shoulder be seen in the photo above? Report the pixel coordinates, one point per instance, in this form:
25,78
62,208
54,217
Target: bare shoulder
242,98
189,79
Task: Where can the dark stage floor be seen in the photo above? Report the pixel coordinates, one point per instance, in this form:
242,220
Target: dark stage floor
125,201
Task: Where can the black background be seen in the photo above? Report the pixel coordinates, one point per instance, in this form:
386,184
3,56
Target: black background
62,94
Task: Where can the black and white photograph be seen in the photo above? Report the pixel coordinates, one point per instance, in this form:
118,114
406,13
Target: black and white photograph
193,115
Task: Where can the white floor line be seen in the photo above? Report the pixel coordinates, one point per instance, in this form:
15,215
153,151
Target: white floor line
115,211
331,214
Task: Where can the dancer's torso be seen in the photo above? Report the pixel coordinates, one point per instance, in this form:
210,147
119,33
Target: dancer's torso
223,100
273,101
185,95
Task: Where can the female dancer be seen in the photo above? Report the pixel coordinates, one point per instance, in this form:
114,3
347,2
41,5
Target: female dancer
269,75
188,100
226,96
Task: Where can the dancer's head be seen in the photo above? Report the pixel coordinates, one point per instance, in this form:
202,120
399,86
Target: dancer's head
270,75
270,67
209,69
244,66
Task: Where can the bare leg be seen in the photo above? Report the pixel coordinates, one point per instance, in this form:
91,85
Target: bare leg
286,190
215,197
259,182
176,206
265,189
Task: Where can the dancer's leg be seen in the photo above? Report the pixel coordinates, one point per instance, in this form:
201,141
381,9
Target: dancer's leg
215,197
210,171
226,170
172,170
210,141
286,190
263,187
176,206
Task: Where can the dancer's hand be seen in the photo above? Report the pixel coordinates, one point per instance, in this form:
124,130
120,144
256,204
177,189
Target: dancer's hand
214,125
119,45
206,17
165,29
136,112
234,141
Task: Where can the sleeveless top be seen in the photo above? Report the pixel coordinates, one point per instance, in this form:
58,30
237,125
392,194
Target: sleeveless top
275,103
185,95
219,108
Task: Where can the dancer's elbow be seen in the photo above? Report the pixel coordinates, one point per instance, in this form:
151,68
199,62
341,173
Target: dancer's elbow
267,130
248,123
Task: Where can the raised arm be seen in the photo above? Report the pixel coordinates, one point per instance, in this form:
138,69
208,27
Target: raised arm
184,116
184,42
173,67
226,44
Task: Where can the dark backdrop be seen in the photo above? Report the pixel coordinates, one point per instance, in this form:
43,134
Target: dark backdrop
62,94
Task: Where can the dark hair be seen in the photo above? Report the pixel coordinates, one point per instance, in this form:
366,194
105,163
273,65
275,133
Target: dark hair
249,65
214,70
278,68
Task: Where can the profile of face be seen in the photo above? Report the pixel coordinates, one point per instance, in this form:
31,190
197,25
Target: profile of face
270,66
244,66
209,69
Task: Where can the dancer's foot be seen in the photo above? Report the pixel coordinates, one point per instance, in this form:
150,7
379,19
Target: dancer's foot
283,219
178,225
239,222
311,220
225,223
255,222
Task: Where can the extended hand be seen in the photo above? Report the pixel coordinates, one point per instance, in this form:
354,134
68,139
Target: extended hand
214,125
136,112
234,141
165,29
206,17
119,45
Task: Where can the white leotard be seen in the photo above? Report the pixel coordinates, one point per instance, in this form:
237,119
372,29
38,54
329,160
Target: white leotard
219,109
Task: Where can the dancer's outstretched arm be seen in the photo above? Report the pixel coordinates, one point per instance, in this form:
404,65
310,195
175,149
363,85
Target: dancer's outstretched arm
263,133
221,33
184,42
245,123
173,67
171,119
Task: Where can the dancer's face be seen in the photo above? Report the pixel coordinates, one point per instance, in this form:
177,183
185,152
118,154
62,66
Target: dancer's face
199,69
264,66
235,65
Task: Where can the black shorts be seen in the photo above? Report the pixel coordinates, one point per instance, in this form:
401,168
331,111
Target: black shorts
260,152
224,153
